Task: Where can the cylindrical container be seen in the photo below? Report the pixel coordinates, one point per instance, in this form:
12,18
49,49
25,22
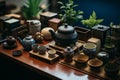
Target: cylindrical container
34,26
104,56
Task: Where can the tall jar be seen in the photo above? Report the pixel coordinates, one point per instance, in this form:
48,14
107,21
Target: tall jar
34,26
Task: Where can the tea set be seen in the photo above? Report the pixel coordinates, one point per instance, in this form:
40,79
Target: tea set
65,37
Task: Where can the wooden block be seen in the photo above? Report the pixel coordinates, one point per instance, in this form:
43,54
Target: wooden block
45,57
55,23
97,42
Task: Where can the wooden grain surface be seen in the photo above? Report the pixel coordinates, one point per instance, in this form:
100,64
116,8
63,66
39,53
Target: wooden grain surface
53,71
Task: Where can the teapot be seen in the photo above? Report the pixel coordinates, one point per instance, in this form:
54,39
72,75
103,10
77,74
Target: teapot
10,40
64,36
68,54
27,42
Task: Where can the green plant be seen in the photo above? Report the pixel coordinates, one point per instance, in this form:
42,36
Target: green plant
31,9
92,21
69,14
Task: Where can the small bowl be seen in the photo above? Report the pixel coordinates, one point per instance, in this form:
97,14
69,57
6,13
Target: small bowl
51,53
95,63
81,58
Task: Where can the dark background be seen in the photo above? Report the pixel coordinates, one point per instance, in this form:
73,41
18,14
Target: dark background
109,10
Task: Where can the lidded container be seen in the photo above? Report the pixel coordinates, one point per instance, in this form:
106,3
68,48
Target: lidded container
65,35
68,54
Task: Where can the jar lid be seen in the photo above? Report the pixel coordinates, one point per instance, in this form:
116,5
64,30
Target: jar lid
67,29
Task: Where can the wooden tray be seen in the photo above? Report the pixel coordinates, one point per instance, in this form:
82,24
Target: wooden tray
45,57
98,73
60,50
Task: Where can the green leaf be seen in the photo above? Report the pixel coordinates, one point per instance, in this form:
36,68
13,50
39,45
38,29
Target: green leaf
99,21
94,15
59,2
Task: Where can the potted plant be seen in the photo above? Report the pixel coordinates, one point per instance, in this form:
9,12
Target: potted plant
30,9
68,13
92,21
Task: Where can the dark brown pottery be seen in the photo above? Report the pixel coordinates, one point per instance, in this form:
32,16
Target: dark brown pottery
65,36
83,33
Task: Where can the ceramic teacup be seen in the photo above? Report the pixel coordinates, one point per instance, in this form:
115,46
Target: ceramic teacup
51,53
35,47
42,50
89,49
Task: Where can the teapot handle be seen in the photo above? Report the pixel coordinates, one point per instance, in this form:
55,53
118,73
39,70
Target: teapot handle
21,42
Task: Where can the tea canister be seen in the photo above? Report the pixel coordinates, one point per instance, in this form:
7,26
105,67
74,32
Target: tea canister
34,26
27,42
104,56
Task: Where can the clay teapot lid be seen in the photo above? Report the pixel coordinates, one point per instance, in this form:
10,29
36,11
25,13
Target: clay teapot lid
66,29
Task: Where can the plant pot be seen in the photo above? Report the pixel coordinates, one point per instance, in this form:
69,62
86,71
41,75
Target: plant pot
83,33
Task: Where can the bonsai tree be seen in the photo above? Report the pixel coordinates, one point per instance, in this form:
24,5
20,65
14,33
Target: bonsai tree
92,21
31,9
69,14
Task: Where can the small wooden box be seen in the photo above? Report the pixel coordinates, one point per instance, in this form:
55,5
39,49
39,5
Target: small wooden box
83,33
55,23
100,31
9,25
2,19
97,42
45,57
45,16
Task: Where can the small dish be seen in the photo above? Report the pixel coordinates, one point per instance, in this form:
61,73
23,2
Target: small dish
95,63
81,58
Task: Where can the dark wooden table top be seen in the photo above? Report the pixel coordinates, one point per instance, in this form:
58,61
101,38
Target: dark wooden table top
55,71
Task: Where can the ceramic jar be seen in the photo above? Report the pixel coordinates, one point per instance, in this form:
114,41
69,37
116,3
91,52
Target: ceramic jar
34,26
27,43
38,37
104,56
46,33
68,54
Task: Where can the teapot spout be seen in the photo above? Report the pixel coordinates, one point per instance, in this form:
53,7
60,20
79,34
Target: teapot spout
52,33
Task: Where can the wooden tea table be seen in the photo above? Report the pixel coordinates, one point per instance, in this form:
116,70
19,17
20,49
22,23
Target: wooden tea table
53,71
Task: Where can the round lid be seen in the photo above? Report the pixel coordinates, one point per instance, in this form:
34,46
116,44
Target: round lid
68,50
103,54
66,29
28,37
